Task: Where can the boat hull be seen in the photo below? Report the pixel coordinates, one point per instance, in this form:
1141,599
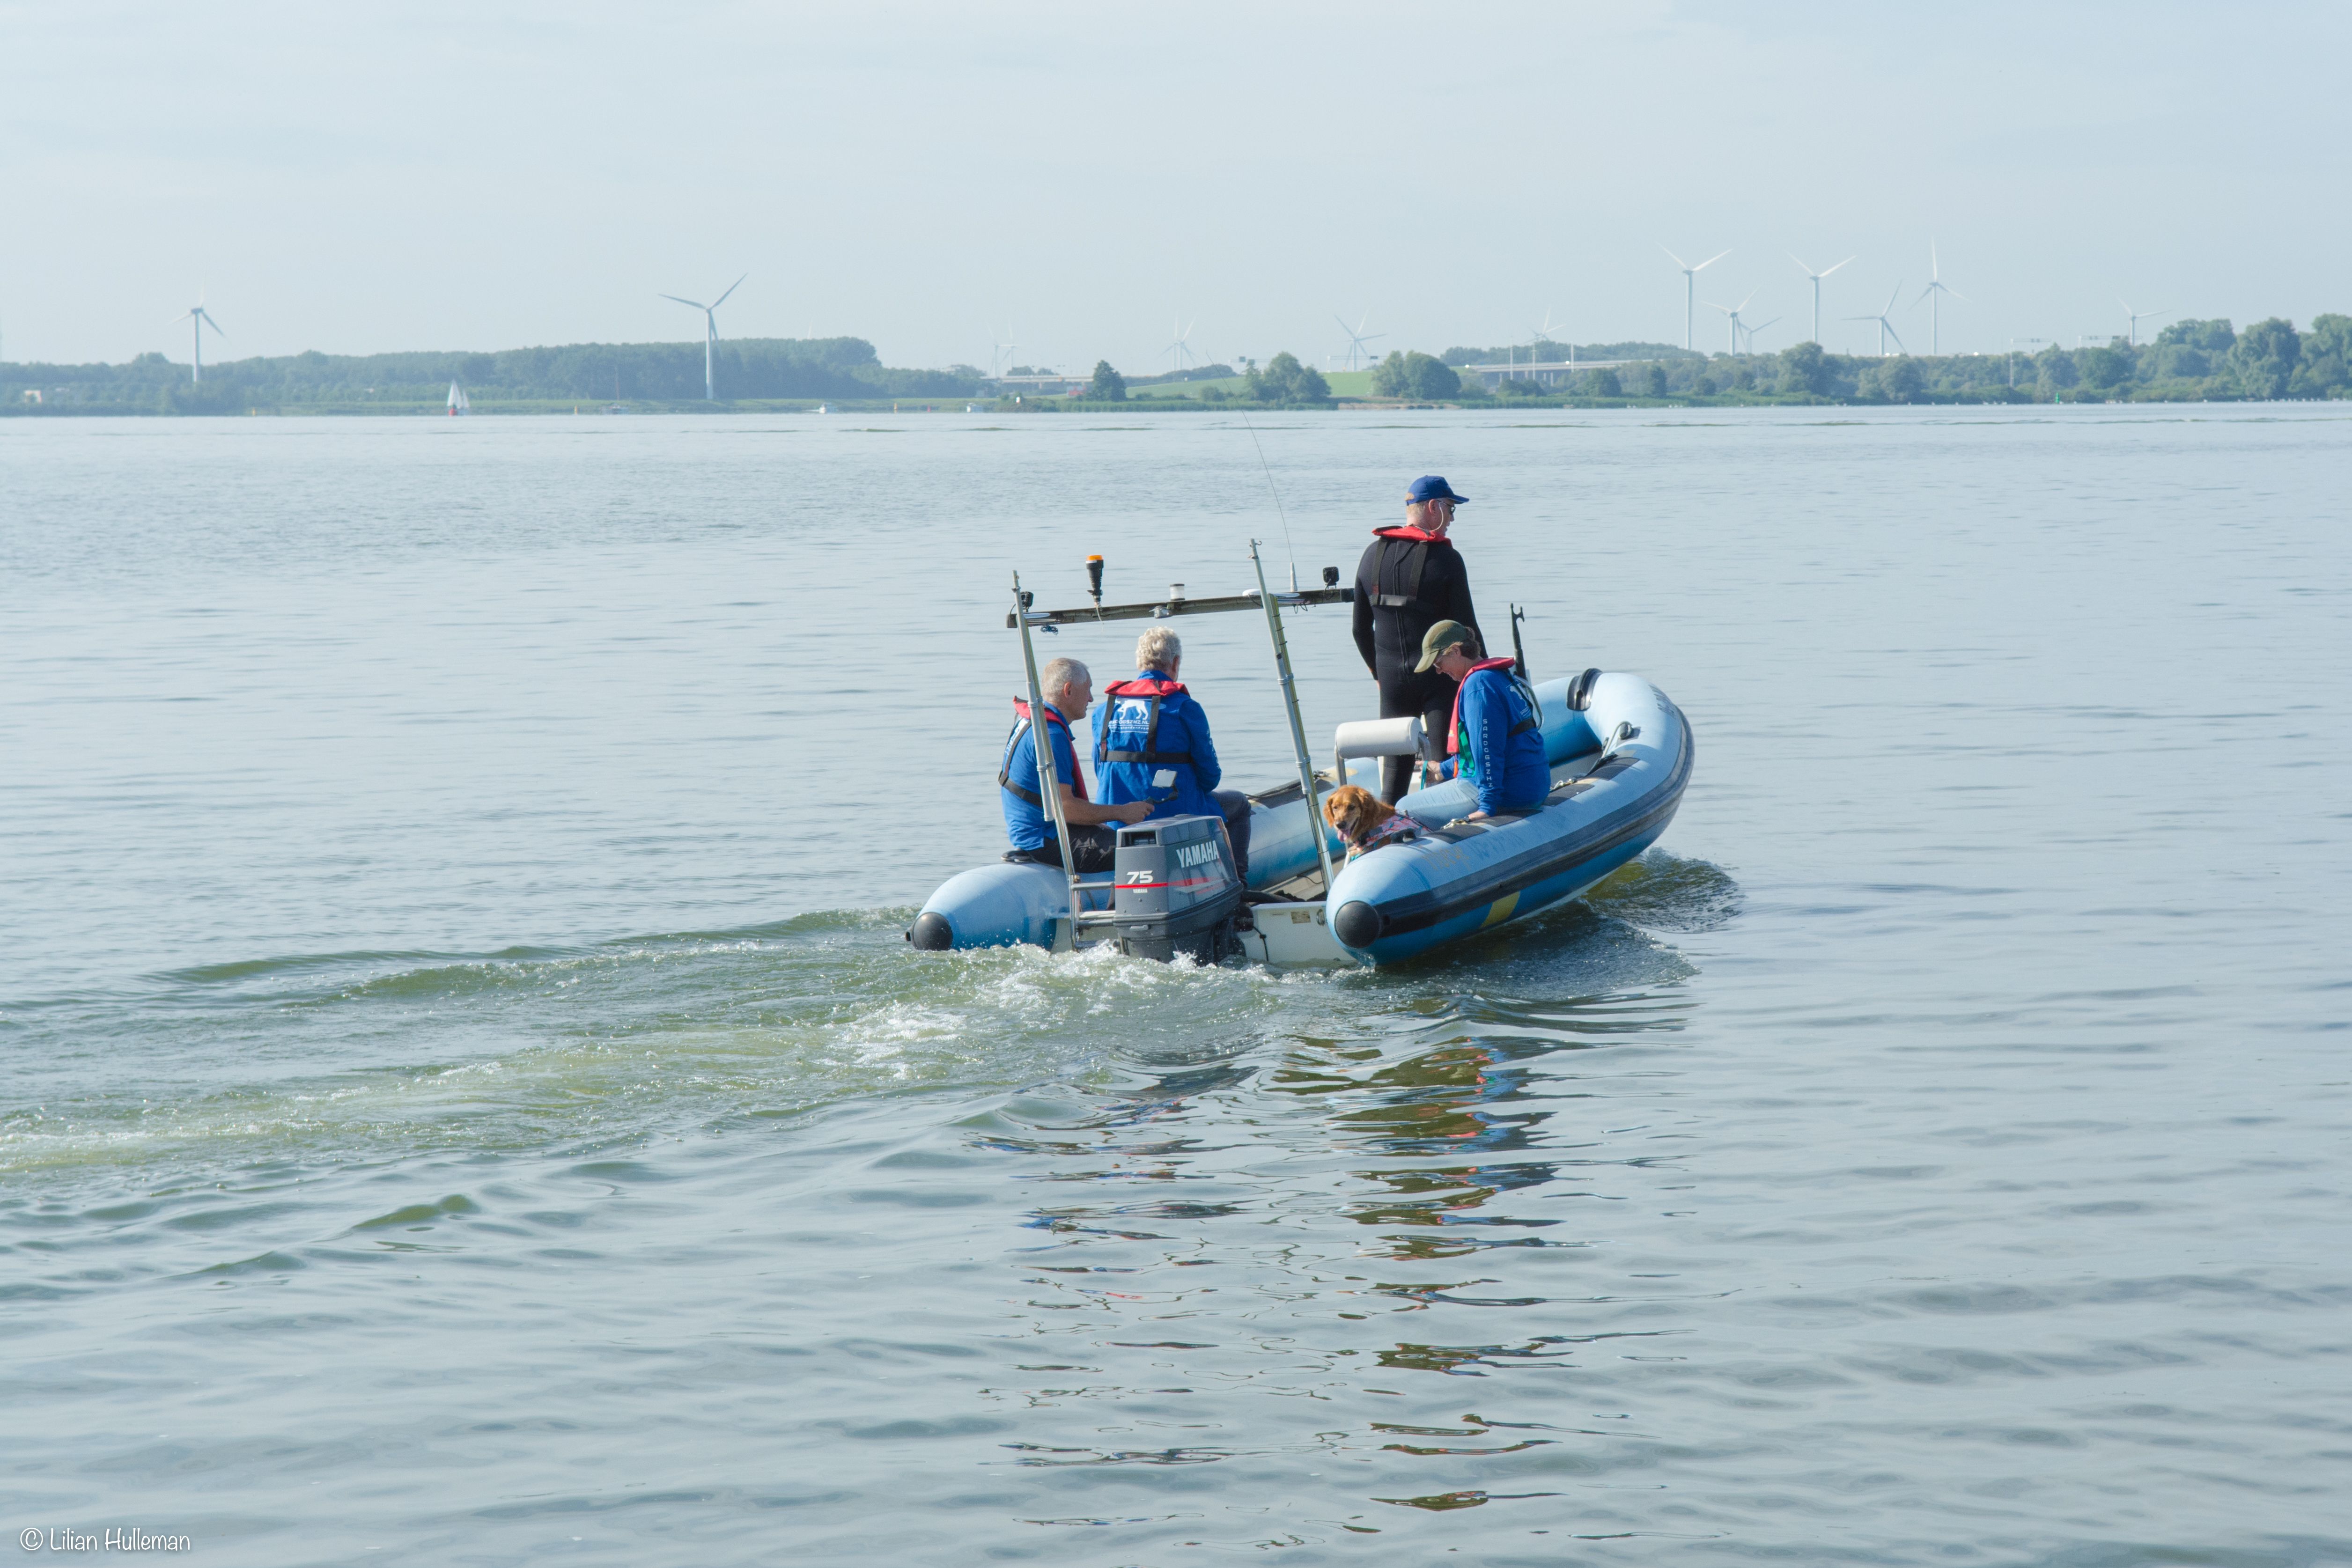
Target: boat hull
1461,878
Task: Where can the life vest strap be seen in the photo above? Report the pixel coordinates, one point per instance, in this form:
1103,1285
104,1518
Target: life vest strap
1151,756
1384,584
1004,770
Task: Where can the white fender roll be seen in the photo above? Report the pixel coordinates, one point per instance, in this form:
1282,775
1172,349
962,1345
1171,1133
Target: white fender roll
1377,737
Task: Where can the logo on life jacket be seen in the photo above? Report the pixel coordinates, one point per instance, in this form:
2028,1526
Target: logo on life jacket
1149,689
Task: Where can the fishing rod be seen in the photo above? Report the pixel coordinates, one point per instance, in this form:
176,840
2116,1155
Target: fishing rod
1330,574
1331,591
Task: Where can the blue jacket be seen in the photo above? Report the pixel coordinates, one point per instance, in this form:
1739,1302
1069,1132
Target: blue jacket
1026,822
1128,751
1510,770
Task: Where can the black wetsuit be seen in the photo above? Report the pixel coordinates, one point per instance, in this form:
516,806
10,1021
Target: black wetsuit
1404,586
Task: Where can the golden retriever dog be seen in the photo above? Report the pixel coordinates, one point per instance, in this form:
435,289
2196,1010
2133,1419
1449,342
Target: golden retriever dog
1364,819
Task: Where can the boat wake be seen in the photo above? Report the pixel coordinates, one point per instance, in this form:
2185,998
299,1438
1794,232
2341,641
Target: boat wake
1661,891
304,1060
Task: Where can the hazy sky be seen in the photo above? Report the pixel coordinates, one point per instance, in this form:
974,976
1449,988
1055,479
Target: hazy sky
484,175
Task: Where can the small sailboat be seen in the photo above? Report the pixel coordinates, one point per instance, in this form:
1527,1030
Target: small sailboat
458,403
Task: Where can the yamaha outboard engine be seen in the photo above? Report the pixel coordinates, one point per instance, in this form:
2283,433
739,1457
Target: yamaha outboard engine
1174,889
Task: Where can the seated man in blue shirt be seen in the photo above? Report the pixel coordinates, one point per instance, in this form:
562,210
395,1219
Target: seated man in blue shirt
1496,735
1152,745
1069,691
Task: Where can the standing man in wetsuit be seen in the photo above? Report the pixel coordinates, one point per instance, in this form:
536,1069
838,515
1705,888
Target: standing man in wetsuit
1409,580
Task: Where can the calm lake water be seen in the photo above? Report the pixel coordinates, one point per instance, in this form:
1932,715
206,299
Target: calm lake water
467,1099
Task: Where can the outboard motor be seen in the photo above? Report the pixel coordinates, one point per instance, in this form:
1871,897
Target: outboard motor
1174,889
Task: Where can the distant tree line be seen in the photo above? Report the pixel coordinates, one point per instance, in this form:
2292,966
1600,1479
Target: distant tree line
1189,373
1410,373
581,372
2187,361
2196,361
1283,382
1543,349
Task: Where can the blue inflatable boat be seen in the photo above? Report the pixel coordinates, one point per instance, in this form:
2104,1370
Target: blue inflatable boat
1621,757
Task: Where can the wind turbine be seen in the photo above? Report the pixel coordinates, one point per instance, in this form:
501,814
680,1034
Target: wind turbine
1936,288
1536,337
1731,318
2139,316
198,318
1690,285
1886,328
1000,354
1357,339
1178,351
1751,331
1817,278
709,332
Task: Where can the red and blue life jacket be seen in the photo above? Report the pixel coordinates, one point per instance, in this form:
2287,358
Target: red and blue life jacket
1147,726
1027,825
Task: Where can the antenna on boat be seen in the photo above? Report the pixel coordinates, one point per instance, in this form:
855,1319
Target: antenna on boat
1048,776
1314,823
1278,512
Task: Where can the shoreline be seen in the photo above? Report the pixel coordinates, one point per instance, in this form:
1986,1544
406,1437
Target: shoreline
486,408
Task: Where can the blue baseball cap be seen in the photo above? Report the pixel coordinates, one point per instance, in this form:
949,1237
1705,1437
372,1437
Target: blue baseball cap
1432,488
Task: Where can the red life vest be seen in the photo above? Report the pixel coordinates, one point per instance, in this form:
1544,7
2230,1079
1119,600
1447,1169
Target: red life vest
1053,718
1453,729
1397,581
1152,685
1150,688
